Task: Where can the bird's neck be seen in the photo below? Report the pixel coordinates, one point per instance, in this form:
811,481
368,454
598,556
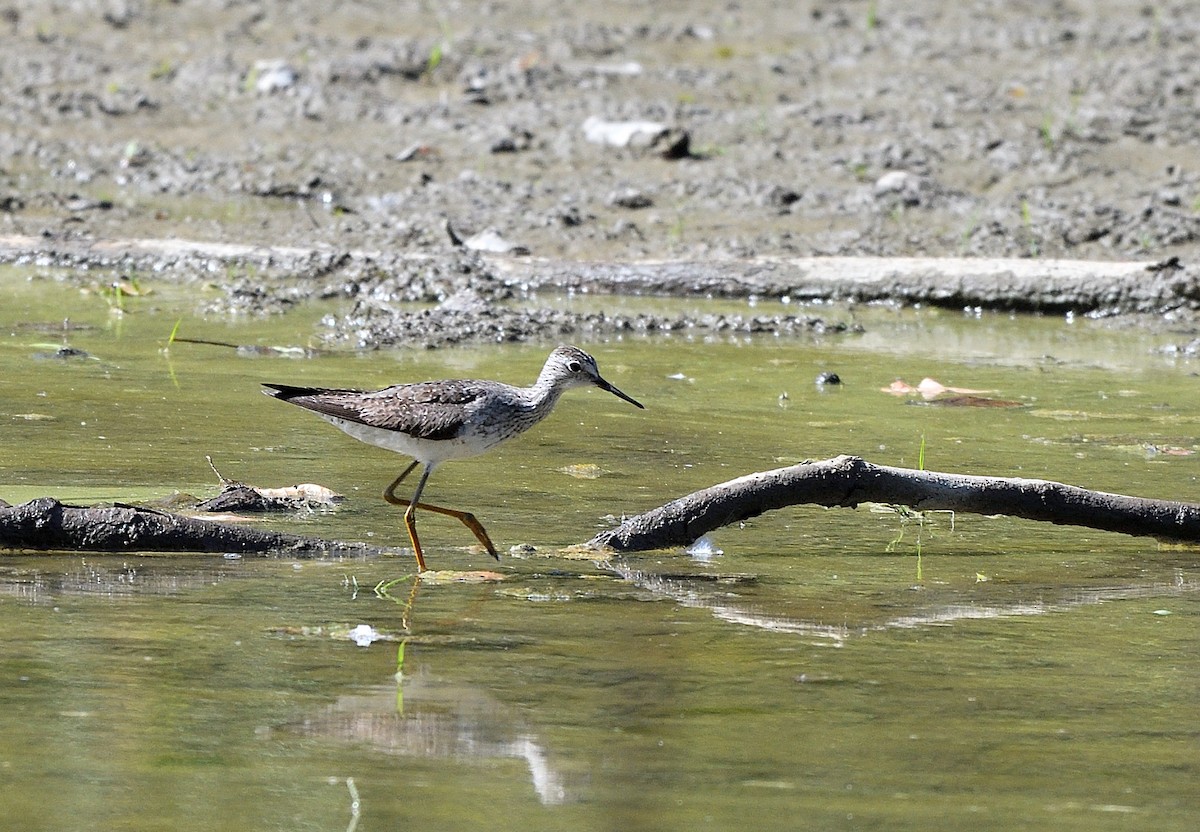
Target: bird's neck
544,393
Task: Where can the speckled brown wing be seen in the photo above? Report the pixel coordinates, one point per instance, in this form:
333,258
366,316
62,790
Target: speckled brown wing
426,410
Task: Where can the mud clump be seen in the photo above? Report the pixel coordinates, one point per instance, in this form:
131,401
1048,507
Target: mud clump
369,326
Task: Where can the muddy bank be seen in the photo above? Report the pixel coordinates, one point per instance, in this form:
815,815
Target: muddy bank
475,296
739,143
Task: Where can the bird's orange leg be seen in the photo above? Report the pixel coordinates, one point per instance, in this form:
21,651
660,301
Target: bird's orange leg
466,517
390,496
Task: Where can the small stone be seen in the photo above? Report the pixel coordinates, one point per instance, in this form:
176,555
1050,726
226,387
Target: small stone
901,183
630,198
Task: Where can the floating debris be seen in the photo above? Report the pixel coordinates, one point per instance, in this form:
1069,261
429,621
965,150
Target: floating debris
62,354
971,401
437,577
928,388
238,497
583,471
364,635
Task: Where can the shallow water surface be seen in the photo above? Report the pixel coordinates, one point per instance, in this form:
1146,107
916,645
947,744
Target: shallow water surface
816,669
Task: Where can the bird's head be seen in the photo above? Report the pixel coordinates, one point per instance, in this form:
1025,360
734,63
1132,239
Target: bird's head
570,366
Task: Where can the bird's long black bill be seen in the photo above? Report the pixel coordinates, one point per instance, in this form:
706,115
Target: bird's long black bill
604,385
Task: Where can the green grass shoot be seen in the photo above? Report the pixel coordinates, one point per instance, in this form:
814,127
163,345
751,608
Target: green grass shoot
1027,221
1047,131
384,588
435,58
174,332
964,239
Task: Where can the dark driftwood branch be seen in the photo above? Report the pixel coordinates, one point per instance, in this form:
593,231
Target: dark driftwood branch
46,523
844,481
848,481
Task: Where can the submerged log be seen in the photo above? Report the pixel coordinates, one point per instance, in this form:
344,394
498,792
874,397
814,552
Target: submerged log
847,481
45,523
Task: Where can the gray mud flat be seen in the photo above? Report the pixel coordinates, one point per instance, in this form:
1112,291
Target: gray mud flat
815,129
470,290
956,155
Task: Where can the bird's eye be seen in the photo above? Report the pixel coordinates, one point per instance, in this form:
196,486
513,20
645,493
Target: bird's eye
575,367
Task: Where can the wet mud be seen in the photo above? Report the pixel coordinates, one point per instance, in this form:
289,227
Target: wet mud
464,157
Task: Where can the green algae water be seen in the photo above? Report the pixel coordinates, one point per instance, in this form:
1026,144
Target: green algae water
823,669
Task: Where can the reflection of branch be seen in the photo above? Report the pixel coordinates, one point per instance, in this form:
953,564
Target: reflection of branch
681,593
755,616
848,481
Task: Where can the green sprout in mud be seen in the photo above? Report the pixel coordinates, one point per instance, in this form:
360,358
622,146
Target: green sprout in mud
163,70
114,297
166,352
1047,132
174,333
964,240
707,151
909,516
435,58
437,52
115,292
675,232
762,124
251,81
249,272
1027,222
872,16
384,588
1072,127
